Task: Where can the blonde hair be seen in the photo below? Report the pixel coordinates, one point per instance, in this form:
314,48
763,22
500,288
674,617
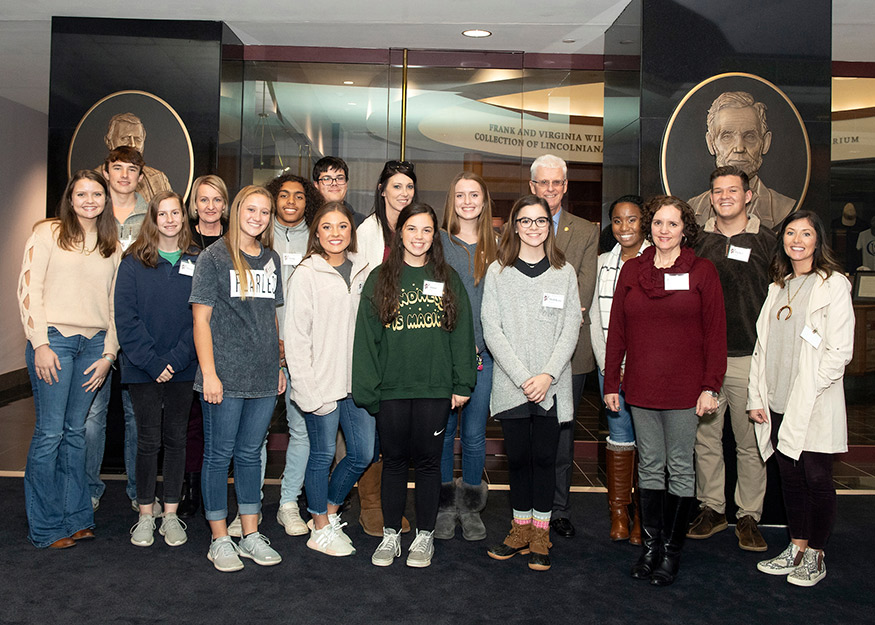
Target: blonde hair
232,237
486,250
211,181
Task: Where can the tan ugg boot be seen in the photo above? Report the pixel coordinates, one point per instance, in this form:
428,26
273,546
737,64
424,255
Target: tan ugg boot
371,515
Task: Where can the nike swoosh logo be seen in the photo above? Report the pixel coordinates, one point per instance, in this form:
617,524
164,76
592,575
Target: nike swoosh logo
439,432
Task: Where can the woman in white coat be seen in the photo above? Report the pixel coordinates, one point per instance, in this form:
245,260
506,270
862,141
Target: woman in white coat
805,336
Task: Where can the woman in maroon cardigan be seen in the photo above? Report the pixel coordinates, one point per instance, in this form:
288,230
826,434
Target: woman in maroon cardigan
669,323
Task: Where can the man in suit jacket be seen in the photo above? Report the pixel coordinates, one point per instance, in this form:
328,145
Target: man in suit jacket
578,239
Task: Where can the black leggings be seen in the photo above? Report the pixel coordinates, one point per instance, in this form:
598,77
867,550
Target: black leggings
530,444
809,492
412,429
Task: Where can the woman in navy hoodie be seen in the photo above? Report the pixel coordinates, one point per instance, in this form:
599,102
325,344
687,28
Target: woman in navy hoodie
159,360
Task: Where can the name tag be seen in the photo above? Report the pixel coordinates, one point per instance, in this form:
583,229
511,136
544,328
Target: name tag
677,282
292,259
811,337
270,267
552,300
435,289
739,253
186,268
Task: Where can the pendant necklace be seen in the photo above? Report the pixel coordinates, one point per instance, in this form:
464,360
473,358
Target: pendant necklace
790,299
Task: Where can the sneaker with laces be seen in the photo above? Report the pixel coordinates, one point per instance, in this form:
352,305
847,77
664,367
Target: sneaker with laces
810,571
421,550
257,547
328,541
95,504
156,506
388,549
334,519
143,531
235,529
223,554
782,564
173,530
289,516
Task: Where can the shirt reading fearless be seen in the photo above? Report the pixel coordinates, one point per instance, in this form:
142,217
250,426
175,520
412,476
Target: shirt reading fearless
262,284
417,310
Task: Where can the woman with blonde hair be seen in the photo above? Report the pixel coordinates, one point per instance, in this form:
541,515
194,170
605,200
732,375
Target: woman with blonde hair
234,295
208,210
469,248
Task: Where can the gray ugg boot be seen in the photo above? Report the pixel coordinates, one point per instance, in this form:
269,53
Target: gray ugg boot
448,514
470,501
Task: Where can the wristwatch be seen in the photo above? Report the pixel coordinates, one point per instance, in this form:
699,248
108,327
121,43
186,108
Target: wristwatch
712,393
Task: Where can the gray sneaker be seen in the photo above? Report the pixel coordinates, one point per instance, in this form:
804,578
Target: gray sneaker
223,554
811,571
782,564
142,533
173,530
257,547
389,548
156,506
421,550
235,529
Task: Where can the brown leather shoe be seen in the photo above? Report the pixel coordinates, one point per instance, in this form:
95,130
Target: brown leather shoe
749,537
708,523
86,534
63,543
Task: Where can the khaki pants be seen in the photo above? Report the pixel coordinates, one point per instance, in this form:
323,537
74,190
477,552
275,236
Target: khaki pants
710,469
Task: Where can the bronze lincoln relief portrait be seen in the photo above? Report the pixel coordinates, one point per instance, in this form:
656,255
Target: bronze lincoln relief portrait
144,122
742,120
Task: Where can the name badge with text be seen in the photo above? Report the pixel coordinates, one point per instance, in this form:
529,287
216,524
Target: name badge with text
811,337
270,268
292,259
739,253
677,282
435,289
186,268
552,300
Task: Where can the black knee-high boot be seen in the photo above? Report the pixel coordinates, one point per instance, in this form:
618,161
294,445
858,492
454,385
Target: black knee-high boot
652,502
677,522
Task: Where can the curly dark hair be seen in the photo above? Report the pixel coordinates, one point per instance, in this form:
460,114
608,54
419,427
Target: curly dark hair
314,198
691,228
388,289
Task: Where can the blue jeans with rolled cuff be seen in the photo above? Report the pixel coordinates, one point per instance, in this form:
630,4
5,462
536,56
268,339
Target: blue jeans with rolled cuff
620,427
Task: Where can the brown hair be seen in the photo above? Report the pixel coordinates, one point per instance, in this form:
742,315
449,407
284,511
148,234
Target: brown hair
691,228
388,289
509,248
314,246
232,237
70,233
145,247
124,154
486,249
824,262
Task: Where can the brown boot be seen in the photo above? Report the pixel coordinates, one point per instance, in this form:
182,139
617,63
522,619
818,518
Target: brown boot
371,515
635,530
540,545
619,470
517,541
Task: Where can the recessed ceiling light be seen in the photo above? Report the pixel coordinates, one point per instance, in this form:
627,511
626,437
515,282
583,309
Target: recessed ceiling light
348,82
569,40
476,33
626,42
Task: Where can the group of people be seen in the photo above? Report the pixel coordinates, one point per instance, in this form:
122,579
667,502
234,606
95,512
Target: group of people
386,336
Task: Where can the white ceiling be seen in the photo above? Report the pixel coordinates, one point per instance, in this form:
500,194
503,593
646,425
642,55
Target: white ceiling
25,28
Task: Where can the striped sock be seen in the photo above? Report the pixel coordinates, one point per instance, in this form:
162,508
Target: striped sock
522,517
541,520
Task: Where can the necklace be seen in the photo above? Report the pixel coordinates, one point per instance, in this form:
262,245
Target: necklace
790,299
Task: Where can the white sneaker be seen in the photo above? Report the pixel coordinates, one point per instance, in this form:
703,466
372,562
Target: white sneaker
289,517
173,530
257,547
143,531
811,571
329,542
156,506
421,550
782,564
334,519
223,554
236,527
95,504
388,549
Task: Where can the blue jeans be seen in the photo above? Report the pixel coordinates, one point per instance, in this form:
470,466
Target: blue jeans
358,429
297,452
620,428
234,429
95,440
472,431
55,490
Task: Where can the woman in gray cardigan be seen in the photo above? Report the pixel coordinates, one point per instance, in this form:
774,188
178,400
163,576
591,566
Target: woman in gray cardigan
531,320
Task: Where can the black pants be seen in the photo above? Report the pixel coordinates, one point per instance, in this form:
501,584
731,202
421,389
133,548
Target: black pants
412,429
150,399
809,492
530,445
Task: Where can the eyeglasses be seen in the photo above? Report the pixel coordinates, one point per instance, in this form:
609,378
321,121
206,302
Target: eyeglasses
328,180
546,184
526,222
